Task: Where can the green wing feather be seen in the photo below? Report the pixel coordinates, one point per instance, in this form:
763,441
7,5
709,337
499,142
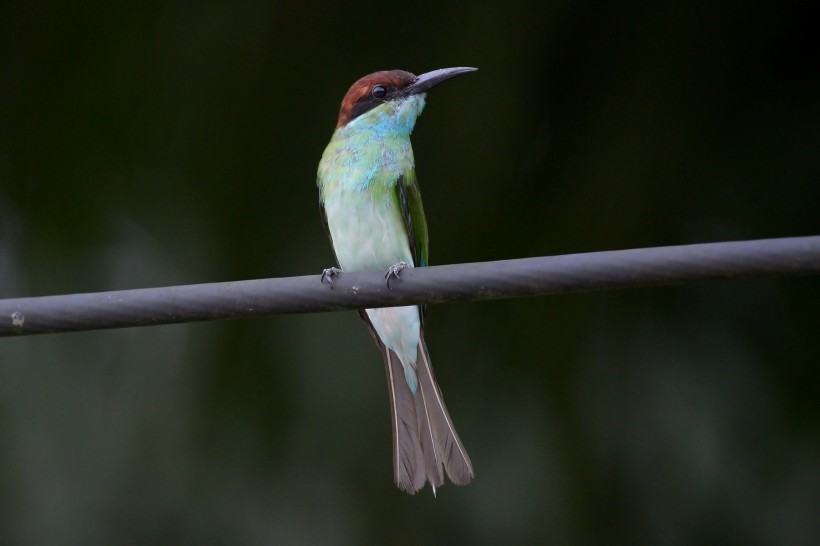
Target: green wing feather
412,210
409,194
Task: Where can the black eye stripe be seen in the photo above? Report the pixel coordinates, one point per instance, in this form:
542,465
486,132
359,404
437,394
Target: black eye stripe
379,93
365,104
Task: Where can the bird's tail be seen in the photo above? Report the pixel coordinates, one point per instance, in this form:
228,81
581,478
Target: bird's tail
424,439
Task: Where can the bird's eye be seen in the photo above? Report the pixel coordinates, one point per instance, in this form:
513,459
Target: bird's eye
379,91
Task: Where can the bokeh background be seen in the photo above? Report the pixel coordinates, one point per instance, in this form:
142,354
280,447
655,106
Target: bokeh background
159,143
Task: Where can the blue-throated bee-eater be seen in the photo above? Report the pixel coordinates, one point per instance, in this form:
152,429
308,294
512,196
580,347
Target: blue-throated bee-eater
371,206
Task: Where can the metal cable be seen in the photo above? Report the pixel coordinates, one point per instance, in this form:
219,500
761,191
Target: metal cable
437,284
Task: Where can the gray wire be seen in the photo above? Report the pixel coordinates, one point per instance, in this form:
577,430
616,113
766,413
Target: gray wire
437,284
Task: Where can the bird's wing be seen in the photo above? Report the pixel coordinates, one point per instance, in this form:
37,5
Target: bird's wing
412,210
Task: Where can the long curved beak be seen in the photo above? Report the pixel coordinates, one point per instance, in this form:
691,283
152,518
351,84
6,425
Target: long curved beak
428,80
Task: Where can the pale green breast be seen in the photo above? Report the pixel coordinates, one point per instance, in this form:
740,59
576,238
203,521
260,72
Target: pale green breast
367,229
357,179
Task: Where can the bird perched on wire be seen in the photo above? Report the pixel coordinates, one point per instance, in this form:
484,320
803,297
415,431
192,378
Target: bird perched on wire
371,208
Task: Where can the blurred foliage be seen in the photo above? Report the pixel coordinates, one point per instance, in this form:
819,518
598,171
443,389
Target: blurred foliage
159,143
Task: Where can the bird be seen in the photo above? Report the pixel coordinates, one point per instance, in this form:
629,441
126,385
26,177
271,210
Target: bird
371,208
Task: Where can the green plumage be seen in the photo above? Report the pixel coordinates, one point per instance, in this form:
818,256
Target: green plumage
373,213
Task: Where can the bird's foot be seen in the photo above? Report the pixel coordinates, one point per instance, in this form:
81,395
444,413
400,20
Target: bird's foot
394,270
328,274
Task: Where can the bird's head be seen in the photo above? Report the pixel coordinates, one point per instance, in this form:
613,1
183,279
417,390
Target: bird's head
393,96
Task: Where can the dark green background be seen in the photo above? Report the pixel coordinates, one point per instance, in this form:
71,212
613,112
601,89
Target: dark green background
150,144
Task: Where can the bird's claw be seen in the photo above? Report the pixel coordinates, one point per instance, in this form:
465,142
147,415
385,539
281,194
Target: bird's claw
328,274
394,270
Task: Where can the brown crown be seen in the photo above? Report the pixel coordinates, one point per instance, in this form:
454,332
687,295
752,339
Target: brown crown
358,98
